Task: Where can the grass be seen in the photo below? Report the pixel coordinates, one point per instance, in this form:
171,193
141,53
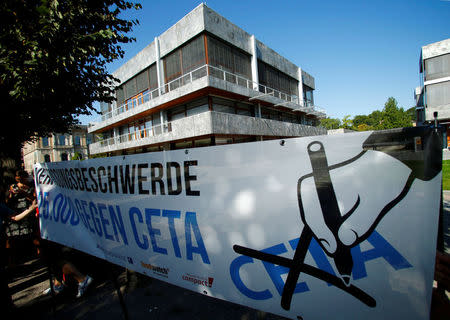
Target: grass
446,174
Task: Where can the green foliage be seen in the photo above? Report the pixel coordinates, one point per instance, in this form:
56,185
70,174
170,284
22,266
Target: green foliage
446,174
53,57
77,156
347,123
330,123
391,116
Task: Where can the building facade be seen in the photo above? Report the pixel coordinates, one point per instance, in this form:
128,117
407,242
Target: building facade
57,147
433,96
205,82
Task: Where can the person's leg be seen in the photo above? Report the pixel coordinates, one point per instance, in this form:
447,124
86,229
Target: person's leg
69,269
83,280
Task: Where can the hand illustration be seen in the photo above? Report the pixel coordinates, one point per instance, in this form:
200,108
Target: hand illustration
362,194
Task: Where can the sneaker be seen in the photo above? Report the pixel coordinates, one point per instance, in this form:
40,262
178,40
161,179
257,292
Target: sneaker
57,289
82,286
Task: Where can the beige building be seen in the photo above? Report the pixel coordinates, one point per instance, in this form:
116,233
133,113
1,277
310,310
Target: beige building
57,147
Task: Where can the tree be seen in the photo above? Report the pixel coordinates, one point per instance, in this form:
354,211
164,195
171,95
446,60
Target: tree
391,116
330,123
53,62
394,116
347,122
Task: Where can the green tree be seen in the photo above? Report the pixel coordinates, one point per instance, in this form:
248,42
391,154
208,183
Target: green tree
391,116
77,156
330,123
394,116
347,122
53,58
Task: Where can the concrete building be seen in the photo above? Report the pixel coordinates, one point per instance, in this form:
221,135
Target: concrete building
434,93
57,147
205,82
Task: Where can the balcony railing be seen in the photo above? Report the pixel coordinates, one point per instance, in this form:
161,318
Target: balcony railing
137,135
177,129
203,71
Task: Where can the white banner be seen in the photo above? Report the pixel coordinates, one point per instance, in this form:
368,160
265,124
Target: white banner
342,225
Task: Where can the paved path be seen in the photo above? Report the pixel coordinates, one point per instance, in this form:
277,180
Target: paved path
151,299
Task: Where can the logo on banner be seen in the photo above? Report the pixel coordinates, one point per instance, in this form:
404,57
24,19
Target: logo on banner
164,272
328,229
200,281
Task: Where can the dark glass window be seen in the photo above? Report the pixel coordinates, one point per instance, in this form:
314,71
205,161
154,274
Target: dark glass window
185,59
308,95
438,94
275,79
228,57
437,67
153,83
193,55
142,81
130,88
172,65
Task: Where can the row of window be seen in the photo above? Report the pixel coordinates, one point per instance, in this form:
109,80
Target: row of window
64,157
204,49
62,140
151,125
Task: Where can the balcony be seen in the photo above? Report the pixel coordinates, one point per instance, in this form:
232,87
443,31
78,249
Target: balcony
202,77
206,123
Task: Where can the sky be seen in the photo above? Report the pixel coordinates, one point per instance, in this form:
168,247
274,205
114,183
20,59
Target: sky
359,52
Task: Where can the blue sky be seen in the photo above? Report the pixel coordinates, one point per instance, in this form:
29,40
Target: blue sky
360,52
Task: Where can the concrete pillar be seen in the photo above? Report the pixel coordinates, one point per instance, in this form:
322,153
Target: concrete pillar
258,111
254,63
300,88
116,135
159,67
163,117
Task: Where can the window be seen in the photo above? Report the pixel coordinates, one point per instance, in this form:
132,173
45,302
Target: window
45,142
152,73
64,157
229,58
185,59
438,94
172,66
47,158
149,126
308,95
120,96
196,107
77,140
222,105
130,88
437,67
193,55
176,113
61,140
245,109
140,84
275,79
